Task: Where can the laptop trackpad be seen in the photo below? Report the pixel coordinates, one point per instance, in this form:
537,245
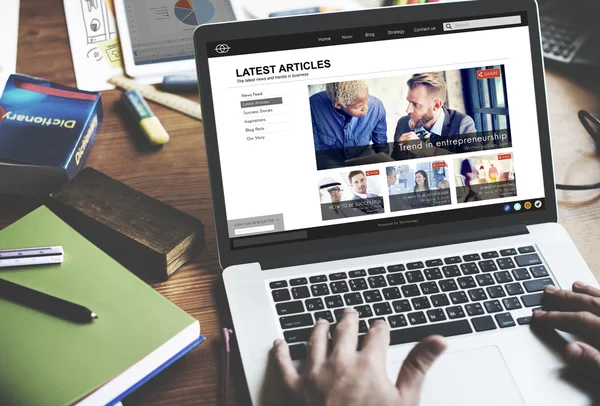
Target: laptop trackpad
472,377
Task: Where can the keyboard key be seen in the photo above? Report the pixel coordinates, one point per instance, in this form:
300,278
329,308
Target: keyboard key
417,318
420,303
397,320
485,279
495,292
334,301
490,255
278,284
466,282
391,293
364,311
401,306
528,260
477,294
410,290
452,260
372,296
484,323
414,334
396,268
458,297
439,300
358,273
521,274
338,287
377,271
505,263
451,271
396,279
471,257
381,309
474,309
372,321
537,285
434,262
508,252
318,279
377,281
511,303
362,327
415,265
488,266
314,304
436,315
337,276
281,295
320,289
298,352
539,271
338,313
289,308
429,287
469,268
414,276
433,274
514,289
296,336
493,306
326,314
298,281
358,284
505,320
448,285
526,250
300,320
455,312
524,320
352,299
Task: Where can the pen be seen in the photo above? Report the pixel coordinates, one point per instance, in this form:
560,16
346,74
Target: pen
179,83
45,303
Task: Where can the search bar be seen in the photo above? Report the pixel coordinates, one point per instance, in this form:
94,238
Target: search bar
483,23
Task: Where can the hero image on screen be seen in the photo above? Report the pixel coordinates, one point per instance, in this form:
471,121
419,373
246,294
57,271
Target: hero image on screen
362,122
351,194
418,185
485,177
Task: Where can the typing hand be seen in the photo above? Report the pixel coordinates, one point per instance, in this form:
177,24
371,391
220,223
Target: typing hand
410,136
346,377
578,313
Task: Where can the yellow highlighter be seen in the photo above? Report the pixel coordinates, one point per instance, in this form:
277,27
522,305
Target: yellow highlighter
149,123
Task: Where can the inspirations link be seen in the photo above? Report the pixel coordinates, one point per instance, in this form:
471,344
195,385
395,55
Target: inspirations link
283,68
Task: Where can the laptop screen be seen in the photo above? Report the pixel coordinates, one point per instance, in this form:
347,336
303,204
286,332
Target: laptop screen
335,133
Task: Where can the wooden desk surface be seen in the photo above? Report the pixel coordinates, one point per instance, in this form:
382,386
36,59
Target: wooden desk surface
178,175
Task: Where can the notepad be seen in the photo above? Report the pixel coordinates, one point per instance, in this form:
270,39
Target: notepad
46,360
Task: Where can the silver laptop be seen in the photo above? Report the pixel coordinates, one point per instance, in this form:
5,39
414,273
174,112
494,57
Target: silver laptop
455,232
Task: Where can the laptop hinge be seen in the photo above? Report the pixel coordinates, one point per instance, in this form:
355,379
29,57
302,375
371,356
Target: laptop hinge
435,240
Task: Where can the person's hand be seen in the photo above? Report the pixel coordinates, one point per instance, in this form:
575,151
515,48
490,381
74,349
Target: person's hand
410,136
578,313
345,376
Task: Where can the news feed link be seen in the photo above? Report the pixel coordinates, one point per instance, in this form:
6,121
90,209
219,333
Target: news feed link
417,185
485,177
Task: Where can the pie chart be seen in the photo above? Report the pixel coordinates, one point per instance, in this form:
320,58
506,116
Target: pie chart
194,12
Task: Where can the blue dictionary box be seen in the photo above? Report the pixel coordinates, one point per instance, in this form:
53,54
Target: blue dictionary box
46,131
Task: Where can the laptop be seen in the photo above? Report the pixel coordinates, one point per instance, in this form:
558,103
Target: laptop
456,235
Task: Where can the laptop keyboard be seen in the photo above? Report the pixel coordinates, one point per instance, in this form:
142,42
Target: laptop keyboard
462,294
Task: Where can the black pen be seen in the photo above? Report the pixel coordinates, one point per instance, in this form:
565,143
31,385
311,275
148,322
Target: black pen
45,303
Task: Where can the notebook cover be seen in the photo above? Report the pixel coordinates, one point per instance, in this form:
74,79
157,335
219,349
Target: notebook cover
50,361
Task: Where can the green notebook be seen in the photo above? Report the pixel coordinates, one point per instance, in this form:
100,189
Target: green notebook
45,360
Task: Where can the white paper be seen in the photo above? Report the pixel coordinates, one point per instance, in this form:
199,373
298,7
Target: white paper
95,48
9,36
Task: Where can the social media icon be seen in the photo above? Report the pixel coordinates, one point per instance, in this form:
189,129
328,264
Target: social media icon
527,205
517,206
507,208
538,204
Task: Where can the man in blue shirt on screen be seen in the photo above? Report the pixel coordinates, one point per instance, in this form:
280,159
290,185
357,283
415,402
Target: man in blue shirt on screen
347,123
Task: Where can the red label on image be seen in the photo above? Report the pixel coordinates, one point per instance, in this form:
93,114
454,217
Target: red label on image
436,165
502,157
488,73
373,173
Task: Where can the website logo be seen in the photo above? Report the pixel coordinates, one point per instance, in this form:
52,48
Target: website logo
538,204
222,48
517,206
527,205
507,208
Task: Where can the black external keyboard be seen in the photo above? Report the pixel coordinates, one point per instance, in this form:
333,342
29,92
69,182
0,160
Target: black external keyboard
562,41
472,292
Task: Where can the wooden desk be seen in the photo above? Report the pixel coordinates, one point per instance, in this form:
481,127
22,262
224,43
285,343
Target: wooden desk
178,175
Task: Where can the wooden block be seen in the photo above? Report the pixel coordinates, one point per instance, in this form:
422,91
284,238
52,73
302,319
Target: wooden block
149,237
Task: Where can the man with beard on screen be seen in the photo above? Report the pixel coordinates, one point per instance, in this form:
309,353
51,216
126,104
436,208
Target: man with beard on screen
427,119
